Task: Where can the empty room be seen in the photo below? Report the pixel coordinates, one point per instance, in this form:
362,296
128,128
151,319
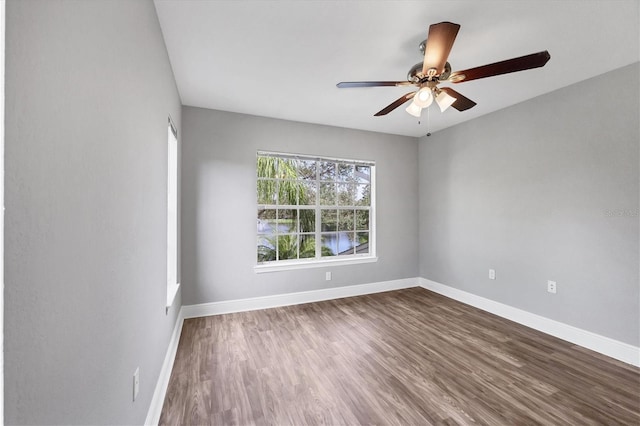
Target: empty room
289,212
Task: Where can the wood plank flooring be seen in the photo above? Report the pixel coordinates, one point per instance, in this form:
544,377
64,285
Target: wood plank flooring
407,357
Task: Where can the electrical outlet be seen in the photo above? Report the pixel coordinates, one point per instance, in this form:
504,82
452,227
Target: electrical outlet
551,286
492,274
136,383
327,276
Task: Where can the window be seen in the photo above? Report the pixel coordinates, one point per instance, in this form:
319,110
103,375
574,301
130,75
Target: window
172,214
314,210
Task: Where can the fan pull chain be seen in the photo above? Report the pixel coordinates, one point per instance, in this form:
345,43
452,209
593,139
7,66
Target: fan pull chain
428,121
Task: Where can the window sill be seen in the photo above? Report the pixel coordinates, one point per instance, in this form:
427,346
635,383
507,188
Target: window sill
261,269
172,291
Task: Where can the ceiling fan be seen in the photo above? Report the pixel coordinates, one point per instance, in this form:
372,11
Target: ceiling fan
435,69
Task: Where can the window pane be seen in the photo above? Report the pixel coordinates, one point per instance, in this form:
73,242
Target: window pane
266,167
327,170
362,242
287,192
362,195
307,220
307,193
266,249
362,220
346,172
346,194
346,243
307,246
287,169
266,221
328,220
327,194
266,191
363,174
329,245
287,221
306,169
345,220
287,247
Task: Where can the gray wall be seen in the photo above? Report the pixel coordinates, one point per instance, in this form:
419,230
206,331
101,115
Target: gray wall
219,202
88,91
528,191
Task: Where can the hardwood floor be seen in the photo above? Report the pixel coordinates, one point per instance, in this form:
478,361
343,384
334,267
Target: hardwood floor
407,357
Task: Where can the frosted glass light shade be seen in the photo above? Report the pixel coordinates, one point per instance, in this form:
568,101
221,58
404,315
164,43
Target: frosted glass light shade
414,110
423,98
444,100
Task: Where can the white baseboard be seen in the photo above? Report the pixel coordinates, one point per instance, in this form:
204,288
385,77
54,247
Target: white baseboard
264,302
254,303
155,408
604,345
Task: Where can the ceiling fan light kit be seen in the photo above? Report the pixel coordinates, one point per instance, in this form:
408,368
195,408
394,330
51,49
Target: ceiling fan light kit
414,110
435,69
444,100
423,98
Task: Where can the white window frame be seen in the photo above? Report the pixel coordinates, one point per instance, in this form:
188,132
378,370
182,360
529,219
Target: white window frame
317,262
173,283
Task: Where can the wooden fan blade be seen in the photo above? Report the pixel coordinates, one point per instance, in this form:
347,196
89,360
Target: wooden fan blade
386,110
439,43
462,103
535,60
345,84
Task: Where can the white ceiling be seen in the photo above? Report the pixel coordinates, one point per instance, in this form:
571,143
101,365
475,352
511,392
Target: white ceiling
282,59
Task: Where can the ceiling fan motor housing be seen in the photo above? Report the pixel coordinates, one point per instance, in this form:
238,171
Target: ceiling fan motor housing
412,75
415,73
446,73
